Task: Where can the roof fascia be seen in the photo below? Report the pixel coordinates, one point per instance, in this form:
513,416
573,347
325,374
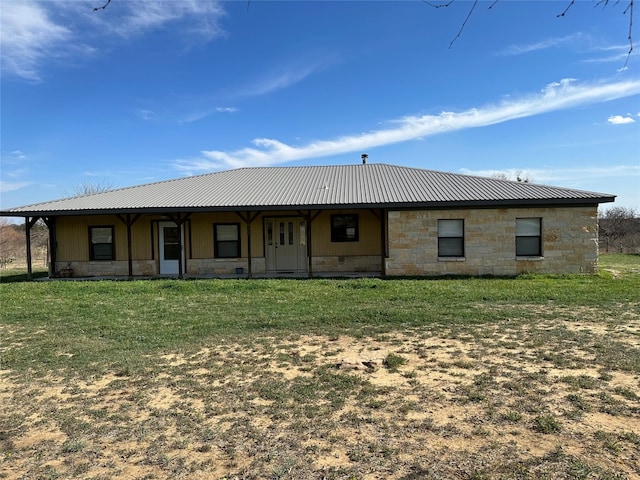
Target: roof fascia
550,202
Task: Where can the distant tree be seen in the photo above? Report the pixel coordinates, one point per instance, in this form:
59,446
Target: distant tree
11,243
620,228
87,188
627,10
518,176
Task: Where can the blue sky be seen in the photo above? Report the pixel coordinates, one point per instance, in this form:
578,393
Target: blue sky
144,91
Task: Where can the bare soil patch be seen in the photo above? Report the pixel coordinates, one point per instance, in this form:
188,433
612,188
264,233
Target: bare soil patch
498,401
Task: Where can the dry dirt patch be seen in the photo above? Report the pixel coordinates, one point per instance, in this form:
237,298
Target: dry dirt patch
454,408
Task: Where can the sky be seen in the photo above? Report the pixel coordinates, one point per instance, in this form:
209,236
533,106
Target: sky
144,91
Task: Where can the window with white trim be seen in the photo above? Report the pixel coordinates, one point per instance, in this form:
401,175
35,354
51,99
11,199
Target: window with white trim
226,240
451,238
101,243
529,237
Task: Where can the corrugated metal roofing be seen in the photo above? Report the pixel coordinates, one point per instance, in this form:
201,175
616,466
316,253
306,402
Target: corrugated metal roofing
363,185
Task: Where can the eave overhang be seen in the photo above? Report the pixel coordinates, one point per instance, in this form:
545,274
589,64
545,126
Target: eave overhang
502,203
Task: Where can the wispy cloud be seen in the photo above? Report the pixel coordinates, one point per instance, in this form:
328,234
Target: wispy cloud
561,95
11,186
29,35
145,114
620,119
541,45
198,18
552,174
33,32
609,54
283,77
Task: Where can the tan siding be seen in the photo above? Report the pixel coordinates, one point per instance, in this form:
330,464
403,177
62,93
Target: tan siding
73,237
369,235
140,240
202,234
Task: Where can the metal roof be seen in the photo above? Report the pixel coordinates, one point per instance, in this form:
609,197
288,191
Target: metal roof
323,187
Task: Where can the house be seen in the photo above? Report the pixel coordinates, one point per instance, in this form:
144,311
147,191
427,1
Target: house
365,219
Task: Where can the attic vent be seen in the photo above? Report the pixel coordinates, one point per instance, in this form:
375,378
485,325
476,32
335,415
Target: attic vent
364,158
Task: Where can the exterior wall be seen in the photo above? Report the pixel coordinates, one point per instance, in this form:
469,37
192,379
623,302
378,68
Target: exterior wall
368,242
346,264
73,245
569,242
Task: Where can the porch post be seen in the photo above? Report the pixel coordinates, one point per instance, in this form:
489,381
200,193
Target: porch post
128,221
50,222
248,222
27,229
310,220
383,242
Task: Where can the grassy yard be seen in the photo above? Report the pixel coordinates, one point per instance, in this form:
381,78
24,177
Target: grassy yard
475,378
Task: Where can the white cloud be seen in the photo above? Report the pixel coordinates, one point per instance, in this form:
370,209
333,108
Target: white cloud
199,19
11,186
620,120
562,175
32,32
145,114
226,109
28,35
277,80
542,45
556,96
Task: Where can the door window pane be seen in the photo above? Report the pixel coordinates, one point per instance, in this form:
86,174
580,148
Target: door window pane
171,243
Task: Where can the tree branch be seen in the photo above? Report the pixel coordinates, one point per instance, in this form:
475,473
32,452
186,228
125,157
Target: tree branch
464,24
102,7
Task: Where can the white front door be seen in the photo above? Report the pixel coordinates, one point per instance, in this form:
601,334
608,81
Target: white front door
169,238
286,245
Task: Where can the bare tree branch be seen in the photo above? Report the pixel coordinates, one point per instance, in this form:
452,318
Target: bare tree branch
102,7
566,9
464,24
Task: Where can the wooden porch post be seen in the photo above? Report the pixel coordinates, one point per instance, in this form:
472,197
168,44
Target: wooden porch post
381,216
128,221
383,242
50,222
27,229
248,220
309,219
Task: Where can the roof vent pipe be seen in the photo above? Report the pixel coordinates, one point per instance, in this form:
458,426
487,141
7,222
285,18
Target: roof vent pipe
364,158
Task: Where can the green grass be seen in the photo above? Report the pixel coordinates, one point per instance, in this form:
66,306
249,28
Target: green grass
118,321
480,377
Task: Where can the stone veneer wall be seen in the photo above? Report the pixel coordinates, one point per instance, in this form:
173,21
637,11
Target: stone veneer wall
114,268
343,264
569,242
210,266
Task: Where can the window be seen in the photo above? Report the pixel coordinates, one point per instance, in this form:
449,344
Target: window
451,238
528,238
226,240
344,228
101,243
